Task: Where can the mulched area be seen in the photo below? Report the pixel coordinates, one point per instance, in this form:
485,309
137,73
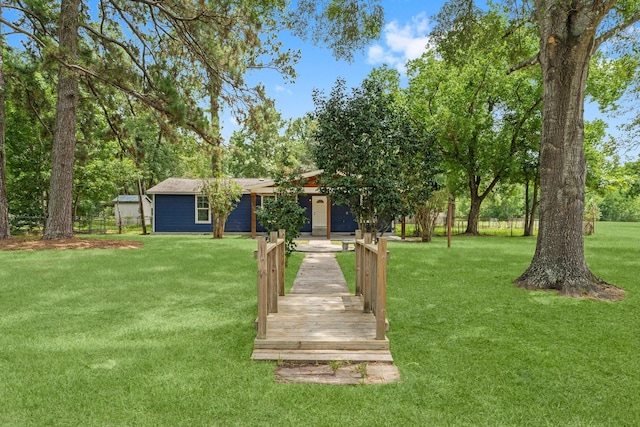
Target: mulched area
37,243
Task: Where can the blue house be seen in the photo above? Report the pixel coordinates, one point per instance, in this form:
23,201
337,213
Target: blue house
180,206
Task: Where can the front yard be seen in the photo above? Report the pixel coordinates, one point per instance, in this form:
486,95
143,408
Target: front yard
162,335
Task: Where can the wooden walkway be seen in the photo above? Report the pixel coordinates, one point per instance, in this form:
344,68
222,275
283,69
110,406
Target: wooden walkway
320,320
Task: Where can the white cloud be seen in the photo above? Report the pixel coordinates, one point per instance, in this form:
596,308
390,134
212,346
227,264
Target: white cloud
280,88
402,43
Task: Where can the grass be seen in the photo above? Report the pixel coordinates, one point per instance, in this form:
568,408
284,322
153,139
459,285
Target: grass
162,336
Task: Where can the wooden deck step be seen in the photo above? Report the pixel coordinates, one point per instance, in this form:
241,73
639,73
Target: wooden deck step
334,344
323,355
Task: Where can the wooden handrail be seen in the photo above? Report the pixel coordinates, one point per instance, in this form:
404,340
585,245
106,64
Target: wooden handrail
371,278
271,265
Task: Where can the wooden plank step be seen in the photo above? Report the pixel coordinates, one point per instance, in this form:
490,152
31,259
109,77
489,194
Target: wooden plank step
288,344
322,355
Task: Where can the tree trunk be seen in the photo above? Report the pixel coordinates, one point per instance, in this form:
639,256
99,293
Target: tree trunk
59,222
5,230
474,215
477,198
532,213
215,151
527,209
218,226
141,206
559,262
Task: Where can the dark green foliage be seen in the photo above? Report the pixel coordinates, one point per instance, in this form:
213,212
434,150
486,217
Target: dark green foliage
283,212
376,160
616,206
29,118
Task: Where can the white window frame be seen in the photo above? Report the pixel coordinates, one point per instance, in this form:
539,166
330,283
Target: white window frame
198,208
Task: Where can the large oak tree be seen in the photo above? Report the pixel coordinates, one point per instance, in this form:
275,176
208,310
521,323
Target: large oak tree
5,231
570,33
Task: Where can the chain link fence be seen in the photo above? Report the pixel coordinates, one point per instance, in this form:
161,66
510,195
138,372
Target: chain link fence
101,224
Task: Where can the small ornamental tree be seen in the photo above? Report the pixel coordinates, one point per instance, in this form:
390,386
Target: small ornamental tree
283,212
427,213
223,194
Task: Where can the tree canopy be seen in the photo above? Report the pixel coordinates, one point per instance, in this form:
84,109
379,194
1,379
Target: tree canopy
374,156
167,57
482,117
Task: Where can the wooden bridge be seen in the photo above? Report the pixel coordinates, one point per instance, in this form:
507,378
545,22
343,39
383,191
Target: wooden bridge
320,320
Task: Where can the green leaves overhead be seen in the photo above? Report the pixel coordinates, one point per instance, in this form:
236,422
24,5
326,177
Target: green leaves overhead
345,26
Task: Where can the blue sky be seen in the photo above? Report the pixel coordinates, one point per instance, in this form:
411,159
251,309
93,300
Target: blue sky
403,37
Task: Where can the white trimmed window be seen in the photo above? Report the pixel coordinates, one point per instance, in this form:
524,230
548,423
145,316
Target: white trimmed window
203,214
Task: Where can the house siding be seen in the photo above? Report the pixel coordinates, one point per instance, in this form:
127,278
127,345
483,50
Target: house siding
342,220
239,220
305,202
176,213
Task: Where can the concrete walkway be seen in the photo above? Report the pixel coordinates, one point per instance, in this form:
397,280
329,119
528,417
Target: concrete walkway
317,246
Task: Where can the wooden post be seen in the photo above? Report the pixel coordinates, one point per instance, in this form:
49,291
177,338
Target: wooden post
273,273
281,261
366,284
381,290
328,218
262,288
253,215
359,262
373,267
449,220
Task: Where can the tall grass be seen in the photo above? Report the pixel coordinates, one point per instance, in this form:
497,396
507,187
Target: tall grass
163,336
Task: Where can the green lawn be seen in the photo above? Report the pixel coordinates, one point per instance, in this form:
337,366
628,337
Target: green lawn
162,336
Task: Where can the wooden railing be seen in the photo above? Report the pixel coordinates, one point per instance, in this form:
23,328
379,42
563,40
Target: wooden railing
371,278
271,264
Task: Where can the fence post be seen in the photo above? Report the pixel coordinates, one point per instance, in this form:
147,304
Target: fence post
449,220
273,273
381,290
359,262
366,285
281,261
262,288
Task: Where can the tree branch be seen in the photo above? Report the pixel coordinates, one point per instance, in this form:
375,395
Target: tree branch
21,30
153,103
612,32
524,64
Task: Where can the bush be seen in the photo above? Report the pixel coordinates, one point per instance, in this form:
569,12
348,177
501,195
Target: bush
284,212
